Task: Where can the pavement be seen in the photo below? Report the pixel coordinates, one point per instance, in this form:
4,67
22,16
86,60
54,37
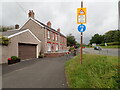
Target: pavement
36,73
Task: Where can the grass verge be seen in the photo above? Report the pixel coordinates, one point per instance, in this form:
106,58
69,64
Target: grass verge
97,71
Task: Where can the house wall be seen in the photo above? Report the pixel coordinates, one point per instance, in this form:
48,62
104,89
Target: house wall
61,41
41,33
37,30
12,48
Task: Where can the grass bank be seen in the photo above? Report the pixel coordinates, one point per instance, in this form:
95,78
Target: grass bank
97,71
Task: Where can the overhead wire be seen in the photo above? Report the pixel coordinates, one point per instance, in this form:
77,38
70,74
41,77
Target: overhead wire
21,7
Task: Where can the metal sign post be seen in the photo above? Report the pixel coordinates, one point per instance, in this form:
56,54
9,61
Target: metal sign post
81,40
81,19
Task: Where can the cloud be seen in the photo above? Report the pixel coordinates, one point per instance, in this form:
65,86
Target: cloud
101,16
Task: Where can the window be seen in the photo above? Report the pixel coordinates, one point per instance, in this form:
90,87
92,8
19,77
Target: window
56,37
53,36
61,38
52,47
49,47
56,47
48,33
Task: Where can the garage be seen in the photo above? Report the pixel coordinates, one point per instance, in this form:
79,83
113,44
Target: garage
27,51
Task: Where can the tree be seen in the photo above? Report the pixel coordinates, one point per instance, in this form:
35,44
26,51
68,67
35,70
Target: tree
117,36
108,37
112,36
5,28
98,39
77,45
71,40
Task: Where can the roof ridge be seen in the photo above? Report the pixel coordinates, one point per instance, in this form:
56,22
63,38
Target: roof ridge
13,30
49,27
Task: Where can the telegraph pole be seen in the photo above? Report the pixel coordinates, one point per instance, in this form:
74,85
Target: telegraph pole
81,42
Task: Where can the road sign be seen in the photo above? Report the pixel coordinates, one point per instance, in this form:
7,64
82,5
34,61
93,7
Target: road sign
81,15
81,28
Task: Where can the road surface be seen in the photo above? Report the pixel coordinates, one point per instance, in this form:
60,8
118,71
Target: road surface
36,73
108,52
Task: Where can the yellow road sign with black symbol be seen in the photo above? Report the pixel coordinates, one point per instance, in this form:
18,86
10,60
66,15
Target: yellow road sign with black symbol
81,15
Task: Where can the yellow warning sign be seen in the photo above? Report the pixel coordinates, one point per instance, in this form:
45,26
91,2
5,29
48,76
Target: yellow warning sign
81,15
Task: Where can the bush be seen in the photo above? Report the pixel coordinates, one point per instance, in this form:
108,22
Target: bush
41,55
71,49
14,57
103,44
113,43
4,40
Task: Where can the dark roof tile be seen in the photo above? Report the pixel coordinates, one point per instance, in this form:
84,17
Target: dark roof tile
10,32
49,27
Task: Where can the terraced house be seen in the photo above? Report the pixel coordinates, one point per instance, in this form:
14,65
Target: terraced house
41,38
51,40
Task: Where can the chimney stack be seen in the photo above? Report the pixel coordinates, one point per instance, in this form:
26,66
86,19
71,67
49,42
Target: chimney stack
49,24
16,26
58,29
31,14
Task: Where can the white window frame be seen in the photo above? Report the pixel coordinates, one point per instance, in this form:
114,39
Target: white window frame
53,36
56,37
57,47
48,47
48,32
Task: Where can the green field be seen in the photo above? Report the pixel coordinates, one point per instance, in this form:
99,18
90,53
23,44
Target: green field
97,71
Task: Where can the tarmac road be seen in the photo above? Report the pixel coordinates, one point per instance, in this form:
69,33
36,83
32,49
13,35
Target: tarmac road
108,52
37,73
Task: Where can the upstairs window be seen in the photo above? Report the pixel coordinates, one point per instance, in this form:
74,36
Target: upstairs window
53,36
56,37
48,33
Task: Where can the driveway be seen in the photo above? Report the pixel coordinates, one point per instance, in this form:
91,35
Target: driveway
36,73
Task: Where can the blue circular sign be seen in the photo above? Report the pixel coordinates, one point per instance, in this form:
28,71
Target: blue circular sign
81,28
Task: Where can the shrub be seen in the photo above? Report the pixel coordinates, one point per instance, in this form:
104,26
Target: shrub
41,55
113,43
4,40
102,44
71,49
14,57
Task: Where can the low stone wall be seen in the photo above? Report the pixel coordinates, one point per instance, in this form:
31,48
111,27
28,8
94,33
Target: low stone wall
54,54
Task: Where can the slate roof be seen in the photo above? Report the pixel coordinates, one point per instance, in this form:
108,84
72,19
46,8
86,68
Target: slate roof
49,27
10,32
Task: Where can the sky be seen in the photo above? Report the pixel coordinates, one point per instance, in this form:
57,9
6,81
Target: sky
102,15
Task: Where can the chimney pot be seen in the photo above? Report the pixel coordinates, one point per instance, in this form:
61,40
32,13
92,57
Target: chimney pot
16,26
58,29
31,14
49,24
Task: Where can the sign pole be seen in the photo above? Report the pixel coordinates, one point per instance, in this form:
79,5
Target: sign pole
81,40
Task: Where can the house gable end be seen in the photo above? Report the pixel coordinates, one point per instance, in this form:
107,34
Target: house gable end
35,28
